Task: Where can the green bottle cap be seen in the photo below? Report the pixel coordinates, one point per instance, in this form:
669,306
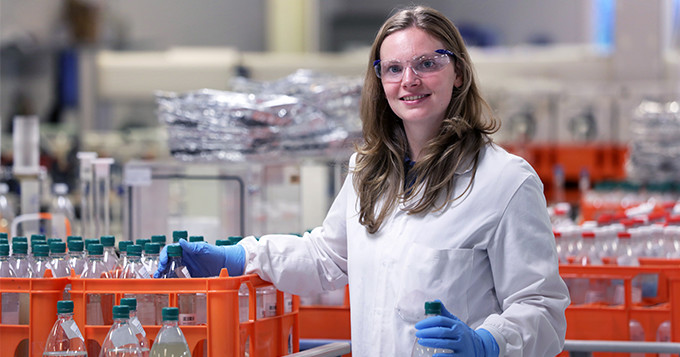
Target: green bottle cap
221,242
235,239
91,241
53,240
20,247
58,247
71,238
4,235
108,241
121,312
64,306
95,249
41,250
134,250
142,241
170,313
76,246
20,239
152,248
196,239
160,239
131,303
4,241
122,245
4,250
177,235
38,237
174,251
433,308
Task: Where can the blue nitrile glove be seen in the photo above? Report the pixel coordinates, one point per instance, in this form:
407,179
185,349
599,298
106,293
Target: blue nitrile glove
203,259
447,331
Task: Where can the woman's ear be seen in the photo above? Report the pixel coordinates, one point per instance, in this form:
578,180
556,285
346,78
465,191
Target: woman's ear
459,75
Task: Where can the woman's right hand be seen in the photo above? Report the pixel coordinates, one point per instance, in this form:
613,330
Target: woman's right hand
203,259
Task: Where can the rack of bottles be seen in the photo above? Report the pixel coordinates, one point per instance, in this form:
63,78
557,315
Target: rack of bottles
229,330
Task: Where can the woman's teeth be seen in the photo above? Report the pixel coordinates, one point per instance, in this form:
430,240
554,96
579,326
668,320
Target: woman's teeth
414,97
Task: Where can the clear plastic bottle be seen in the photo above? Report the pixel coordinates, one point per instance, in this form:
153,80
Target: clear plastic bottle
150,305
7,211
625,256
76,256
110,256
637,333
10,301
122,258
95,269
266,301
134,268
65,338
151,257
131,303
663,334
142,242
22,265
432,308
41,260
243,298
175,269
170,341
61,204
121,340
58,260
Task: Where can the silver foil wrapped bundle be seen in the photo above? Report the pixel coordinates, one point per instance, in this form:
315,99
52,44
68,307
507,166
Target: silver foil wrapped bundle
304,114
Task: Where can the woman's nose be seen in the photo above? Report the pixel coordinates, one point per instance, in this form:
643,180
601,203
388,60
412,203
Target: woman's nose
410,77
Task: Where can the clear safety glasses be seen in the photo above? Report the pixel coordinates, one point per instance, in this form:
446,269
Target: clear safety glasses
422,66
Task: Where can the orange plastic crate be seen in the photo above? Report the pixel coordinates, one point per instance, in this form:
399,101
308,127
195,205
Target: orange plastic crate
600,322
223,335
42,295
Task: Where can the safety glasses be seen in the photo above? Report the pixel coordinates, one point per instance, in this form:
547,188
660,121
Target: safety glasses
423,66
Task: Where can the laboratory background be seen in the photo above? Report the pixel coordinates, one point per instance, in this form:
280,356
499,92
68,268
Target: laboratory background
214,120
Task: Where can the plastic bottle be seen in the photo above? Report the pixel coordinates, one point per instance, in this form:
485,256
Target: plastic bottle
175,269
151,257
95,269
663,334
170,341
134,268
121,340
122,258
58,260
10,301
6,209
76,256
150,305
20,262
110,256
41,260
432,308
61,204
65,338
243,298
625,256
637,333
131,303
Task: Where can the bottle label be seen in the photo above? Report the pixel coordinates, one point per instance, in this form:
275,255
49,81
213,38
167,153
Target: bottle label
143,273
122,336
182,272
136,325
71,329
187,319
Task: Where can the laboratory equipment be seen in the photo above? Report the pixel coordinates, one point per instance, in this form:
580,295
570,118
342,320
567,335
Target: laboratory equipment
65,338
26,139
86,193
61,205
102,190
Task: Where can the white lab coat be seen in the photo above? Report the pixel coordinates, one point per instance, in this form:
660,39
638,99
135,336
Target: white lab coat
489,257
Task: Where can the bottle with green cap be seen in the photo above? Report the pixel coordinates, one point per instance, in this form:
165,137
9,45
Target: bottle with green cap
76,256
170,341
41,260
177,235
122,258
131,303
110,256
432,308
65,338
160,239
196,239
95,269
58,260
151,257
10,301
134,269
121,340
20,261
175,268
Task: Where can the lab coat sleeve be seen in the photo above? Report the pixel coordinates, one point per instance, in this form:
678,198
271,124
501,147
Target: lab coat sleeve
525,270
315,262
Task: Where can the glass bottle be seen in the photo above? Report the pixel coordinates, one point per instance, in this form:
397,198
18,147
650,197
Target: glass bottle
65,338
58,260
10,301
121,340
432,308
76,256
131,303
20,262
110,257
170,341
95,269
41,260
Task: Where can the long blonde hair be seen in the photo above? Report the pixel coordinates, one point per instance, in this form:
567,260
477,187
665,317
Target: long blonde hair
379,174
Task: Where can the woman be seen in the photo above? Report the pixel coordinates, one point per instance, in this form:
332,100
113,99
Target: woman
431,209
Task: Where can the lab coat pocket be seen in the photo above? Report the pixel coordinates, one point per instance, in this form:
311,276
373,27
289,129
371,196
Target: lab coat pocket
429,274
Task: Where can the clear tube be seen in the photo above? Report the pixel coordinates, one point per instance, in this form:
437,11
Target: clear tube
102,188
86,193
